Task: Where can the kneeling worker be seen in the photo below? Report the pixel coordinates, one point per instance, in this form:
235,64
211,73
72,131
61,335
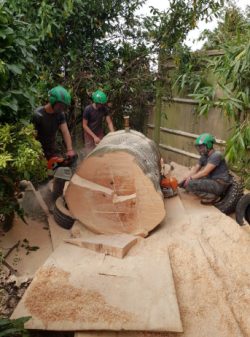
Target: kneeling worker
209,178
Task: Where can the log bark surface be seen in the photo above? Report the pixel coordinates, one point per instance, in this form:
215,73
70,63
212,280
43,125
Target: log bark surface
116,188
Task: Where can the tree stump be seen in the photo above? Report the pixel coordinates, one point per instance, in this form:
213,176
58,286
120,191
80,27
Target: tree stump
116,188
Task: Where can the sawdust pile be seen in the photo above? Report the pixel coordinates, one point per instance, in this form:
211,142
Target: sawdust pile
210,259
51,298
211,269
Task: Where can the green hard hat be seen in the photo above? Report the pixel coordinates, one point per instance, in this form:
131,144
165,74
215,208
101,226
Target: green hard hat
99,97
205,139
59,94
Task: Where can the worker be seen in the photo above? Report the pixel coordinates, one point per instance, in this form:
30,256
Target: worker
209,178
93,116
51,117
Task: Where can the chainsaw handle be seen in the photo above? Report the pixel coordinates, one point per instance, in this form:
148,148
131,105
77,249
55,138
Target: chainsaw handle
181,184
57,161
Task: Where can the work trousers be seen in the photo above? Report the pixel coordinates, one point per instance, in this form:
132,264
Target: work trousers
207,187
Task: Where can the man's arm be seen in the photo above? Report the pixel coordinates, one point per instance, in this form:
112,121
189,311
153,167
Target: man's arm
89,131
213,161
35,120
204,172
186,179
110,123
67,139
193,171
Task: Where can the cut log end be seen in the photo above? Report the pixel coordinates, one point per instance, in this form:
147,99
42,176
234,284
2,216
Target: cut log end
110,194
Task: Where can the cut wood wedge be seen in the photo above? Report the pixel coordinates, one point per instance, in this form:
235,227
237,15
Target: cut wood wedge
116,245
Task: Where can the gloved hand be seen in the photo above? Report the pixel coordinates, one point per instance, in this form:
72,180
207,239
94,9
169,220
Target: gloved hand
71,160
184,182
181,184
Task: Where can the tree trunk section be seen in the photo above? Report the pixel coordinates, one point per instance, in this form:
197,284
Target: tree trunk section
116,188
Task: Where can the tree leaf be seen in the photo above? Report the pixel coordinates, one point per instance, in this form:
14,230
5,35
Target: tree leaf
15,69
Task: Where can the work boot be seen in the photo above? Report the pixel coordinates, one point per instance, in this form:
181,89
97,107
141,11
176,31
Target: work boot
210,199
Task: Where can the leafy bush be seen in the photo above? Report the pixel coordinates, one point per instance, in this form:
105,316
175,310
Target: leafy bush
20,153
231,74
13,327
17,67
20,158
83,45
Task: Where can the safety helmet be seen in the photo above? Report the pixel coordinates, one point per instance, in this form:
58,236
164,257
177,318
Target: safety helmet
99,97
59,94
205,139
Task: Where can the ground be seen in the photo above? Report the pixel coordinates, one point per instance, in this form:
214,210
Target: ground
209,256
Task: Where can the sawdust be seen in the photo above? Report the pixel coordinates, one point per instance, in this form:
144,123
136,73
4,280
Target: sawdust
203,297
211,274
210,259
51,298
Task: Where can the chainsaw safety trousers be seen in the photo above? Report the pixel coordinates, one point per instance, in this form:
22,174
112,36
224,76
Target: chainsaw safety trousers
204,186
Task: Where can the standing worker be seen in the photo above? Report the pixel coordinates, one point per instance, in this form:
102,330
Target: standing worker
93,116
209,178
51,117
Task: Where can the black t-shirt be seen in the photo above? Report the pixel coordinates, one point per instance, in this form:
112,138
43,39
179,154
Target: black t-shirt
221,169
95,118
46,125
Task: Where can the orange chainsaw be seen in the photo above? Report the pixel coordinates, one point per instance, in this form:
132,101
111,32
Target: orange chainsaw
169,186
57,161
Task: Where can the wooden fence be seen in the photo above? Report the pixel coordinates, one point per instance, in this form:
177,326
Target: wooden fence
174,125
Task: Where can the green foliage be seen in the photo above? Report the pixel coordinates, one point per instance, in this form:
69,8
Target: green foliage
13,327
88,45
20,158
84,45
238,147
170,27
232,27
190,69
233,73
231,92
16,66
232,69
167,30
19,151
204,96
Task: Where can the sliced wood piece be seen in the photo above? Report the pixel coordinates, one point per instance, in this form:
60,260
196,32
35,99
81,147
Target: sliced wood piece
123,334
78,290
116,188
115,245
107,334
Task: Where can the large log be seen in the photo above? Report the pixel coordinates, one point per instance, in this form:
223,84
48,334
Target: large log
116,187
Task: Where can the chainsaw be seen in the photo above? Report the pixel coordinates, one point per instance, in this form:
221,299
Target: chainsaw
169,186
61,170
57,161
